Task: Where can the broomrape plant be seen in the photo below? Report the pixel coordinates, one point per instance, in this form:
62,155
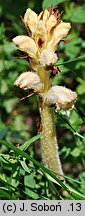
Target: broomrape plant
45,31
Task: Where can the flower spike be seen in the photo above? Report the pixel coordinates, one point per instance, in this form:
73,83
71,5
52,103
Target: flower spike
45,31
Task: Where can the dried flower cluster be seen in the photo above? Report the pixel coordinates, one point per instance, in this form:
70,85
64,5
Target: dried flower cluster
45,32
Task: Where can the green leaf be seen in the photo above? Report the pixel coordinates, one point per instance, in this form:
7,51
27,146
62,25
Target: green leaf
30,182
9,48
68,125
78,14
29,158
3,132
3,160
30,141
5,194
1,66
75,120
9,104
24,165
81,89
76,152
52,176
73,47
66,151
3,87
6,158
82,178
47,4
75,14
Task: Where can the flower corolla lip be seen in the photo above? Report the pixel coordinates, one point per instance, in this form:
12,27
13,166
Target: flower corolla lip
59,32
26,44
48,57
31,19
44,15
61,96
29,80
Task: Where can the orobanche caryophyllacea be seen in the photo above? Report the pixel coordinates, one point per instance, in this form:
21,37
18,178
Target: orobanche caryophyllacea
45,32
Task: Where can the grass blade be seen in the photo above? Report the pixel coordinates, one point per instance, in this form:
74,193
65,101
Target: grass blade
30,141
80,58
29,158
5,194
67,177
73,130
70,190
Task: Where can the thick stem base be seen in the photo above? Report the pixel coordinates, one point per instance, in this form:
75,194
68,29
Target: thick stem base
49,146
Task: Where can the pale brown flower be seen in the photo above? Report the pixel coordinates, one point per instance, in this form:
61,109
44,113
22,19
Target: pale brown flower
40,47
29,80
45,32
62,97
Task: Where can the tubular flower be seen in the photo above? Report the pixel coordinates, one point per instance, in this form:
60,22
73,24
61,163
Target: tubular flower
45,33
62,97
29,80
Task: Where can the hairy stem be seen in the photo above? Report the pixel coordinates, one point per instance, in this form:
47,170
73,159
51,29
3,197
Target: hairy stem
49,145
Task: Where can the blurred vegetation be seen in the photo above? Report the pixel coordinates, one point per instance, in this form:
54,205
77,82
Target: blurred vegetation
20,179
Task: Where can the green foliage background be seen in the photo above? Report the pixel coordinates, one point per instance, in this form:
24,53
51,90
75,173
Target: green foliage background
19,118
